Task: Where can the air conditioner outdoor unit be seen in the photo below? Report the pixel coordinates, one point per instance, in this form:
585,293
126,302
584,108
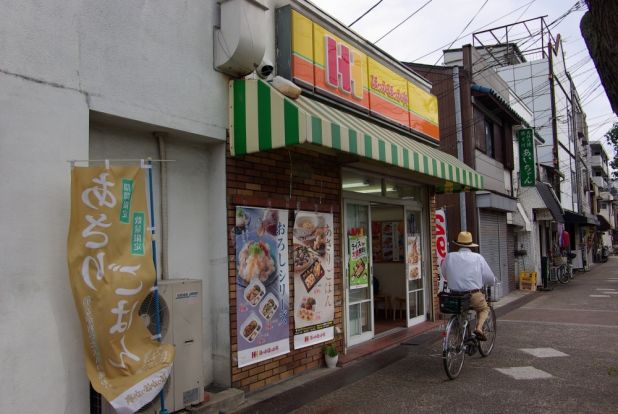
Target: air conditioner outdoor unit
180,308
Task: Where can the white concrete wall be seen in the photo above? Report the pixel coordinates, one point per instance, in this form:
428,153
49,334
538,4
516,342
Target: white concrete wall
63,62
568,199
493,173
529,241
41,127
531,262
484,74
529,81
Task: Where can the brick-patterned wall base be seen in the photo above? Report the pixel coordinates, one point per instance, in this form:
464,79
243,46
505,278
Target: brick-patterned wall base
435,277
263,180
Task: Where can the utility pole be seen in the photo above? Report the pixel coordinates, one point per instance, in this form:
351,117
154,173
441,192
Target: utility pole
460,150
554,124
575,110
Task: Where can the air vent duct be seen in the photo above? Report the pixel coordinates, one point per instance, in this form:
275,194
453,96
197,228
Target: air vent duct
240,40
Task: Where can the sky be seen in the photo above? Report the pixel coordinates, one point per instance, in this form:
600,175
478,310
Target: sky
439,23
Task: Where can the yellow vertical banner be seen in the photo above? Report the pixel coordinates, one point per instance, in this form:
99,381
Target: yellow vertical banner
111,272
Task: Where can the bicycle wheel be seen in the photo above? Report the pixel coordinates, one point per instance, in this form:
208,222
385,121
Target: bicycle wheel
452,348
490,327
563,275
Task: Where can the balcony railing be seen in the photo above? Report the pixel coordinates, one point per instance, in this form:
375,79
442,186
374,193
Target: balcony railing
600,182
598,162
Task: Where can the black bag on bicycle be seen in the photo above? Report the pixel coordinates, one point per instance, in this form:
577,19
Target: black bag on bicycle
454,303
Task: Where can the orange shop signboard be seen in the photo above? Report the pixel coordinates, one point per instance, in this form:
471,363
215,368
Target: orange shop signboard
323,62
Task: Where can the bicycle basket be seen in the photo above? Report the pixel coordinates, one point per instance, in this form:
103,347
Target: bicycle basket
452,303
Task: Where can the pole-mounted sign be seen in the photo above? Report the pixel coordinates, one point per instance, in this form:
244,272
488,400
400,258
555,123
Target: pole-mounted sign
526,157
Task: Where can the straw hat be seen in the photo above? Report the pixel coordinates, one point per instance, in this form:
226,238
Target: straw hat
464,239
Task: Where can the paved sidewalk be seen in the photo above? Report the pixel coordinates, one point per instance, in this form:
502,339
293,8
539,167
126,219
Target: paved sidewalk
290,394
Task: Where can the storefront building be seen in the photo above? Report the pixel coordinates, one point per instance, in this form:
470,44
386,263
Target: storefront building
341,183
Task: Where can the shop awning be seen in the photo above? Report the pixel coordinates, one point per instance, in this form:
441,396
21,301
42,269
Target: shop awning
604,225
491,98
551,201
580,218
262,119
519,218
592,219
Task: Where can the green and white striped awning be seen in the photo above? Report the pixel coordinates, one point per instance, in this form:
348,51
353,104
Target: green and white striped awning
262,119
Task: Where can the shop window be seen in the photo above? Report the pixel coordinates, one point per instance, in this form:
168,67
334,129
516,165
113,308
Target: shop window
375,185
489,138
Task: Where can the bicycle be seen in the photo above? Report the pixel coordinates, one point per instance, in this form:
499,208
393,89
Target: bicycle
559,273
459,340
563,272
568,266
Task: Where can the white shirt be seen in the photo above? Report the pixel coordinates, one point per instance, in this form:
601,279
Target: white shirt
465,270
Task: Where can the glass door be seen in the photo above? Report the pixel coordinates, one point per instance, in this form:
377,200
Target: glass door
358,272
417,262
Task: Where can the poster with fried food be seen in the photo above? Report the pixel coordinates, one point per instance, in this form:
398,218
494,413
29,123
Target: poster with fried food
313,263
358,265
413,256
262,284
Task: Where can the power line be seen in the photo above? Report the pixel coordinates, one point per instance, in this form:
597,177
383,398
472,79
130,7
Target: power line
469,33
404,20
364,14
462,30
586,71
601,91
533,92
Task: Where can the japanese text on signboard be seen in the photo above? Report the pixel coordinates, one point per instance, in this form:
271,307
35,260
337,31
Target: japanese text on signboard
526,157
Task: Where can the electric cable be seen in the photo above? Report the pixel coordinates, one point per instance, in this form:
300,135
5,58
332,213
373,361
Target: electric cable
365,14
469,33
467,25
405,20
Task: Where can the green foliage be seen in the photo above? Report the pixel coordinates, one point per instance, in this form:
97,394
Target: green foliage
612,138
330,350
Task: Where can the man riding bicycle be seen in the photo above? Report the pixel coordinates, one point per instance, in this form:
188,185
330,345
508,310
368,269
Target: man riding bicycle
468,272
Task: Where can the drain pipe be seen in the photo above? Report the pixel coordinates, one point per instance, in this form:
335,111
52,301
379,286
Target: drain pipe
160,136
460,153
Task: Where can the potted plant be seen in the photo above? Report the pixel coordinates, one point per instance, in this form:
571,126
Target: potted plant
331,355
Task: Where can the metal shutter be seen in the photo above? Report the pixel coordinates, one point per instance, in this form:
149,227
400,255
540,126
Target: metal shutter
510,257
493,247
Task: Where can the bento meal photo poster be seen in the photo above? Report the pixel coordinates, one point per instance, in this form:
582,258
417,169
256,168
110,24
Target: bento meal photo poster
413,256
262,284
313,255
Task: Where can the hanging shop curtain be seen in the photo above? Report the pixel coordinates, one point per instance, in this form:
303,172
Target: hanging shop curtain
111,272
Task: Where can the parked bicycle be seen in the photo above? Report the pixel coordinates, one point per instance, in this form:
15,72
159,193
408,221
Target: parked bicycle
459,339
563,272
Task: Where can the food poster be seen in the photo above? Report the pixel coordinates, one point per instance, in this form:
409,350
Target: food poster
359,262
388,241
262,284
413,256
314,273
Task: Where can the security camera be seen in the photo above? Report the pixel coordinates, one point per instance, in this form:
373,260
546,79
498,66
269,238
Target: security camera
265,69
